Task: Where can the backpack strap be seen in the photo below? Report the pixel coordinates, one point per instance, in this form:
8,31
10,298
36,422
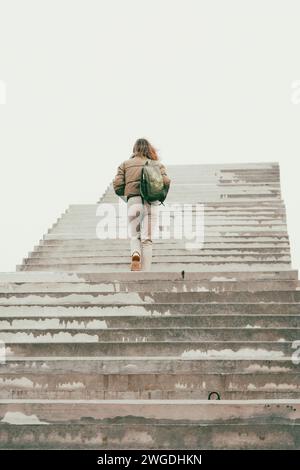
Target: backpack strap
146,163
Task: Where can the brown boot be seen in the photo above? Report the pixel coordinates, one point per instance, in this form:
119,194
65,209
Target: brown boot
136,262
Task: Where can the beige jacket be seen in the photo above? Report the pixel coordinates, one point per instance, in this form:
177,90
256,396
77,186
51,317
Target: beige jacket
128,177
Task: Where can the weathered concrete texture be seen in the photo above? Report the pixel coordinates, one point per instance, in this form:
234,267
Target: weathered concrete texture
101,357
149,435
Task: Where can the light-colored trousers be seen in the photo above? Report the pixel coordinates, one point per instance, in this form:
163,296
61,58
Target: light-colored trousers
142,222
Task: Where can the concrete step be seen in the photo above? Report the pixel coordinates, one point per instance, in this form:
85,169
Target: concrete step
221,175
203,195
60,411
149,309
213,185
243,434
64,225
175,211
147,365
210,230
175,229
227,197
221,190
197,349
58,321
184,258
40,276
183,188
210,218
164,221
210,204
222,211
164,218
145,285
213,182
203,198
59,252
166,334
254,238
118,247
193,267
223,179
272,189
106,386
262,238
272,167
224,206
160,244
124,254
148,297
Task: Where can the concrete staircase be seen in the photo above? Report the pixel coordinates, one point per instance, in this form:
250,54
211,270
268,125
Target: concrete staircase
101,357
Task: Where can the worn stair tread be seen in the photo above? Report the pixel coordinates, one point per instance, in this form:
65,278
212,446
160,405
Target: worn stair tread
52,276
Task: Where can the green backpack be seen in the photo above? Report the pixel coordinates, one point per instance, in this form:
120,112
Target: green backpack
152,187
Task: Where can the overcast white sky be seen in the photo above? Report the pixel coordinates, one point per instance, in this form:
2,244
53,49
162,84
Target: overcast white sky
206,81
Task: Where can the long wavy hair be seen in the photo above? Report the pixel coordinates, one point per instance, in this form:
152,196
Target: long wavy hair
143,147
